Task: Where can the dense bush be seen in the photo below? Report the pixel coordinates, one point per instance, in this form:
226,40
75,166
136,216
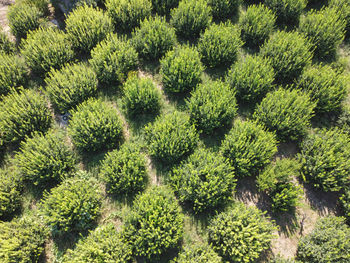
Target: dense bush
287,112
155,224
163,7
345,203
205,181
224,9
257,24
287,11
10,193
219,45
198,253
181,70
95,125
191,18
248,147
344,119
328,242
241,234
212,105
154,38
6,44
289,53
251,77
21,114
171,137
86,26
42,5
70,86
325,159
343,7
46,48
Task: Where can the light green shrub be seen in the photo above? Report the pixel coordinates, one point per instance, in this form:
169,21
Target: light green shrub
343,7
287,11
42,5
224,9
198,253
10,193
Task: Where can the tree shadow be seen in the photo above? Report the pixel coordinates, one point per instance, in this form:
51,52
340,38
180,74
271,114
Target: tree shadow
287,222
214,139
287,150
93,160
218,73
325,120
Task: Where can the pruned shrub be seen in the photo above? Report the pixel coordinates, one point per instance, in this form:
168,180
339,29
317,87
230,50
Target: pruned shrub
345,203
70,86
287,11
328,242
42,5
181,70
155,224
171,137
240,234
6,45
219,45
325,159
10,193
205,181
198,253
95,125
211,106
251,77
343,7
191,18
287,112
224,9
163,7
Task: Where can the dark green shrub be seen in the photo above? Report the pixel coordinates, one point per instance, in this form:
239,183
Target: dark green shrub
10,193
46,48
289,53
198,253
112,59
219,45
241,234
155,224
224,9
42,5
86,26
328,242
6,45
257,24
181,70
171,137
287,11
70,86
248,147
251,77
211,106
287,112
154,38
191,18
345,203
205,181
21,114
344,119
325,159
95,125
69,6
163,7
343,7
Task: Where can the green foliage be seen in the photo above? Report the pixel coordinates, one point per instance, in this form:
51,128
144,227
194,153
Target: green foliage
287,11
328,242
155,224
171,137
46,48
205,180
42,5
219,45
95,125
224,9
163,7
6,44
87,26
287,112
154,38
345,203
343,7
21,114
325,159
252,77
181,70
249,147
191,18
198,253
10,193
241,234
212,105
344,119
289,53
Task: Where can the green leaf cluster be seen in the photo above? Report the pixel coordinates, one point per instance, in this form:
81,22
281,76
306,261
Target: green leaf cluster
42,5
287,11
345,203
198,253
224,9
344,119
343,7
10,193
6,45
163,7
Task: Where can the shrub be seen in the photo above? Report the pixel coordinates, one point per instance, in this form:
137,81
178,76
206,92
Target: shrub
325,159
241,234
248,147
289,53
6,44
328,242
128,14
69,6
212,105
112,59
170,138
287,11
343,7
86,26
10,193
21,114
141,96
191,18
198,253
46,48
155,224
252,77
181,70
154,38
345,203
325,29
257,25
287,112
344,119
163,7
70,86
95,125
219,45
42,5
224,9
